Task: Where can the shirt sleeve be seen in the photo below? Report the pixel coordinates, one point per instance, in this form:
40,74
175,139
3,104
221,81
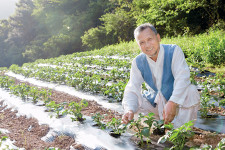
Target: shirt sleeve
132,91
181,75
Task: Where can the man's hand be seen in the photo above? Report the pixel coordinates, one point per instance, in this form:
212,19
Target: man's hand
169,112
127,117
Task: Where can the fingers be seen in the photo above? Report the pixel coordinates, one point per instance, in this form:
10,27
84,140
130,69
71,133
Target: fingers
169,112
169,118
127,117
164,114
130,116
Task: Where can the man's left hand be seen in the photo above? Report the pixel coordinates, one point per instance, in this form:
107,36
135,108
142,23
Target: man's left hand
169,112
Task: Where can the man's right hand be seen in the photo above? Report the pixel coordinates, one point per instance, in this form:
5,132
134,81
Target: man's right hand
127,117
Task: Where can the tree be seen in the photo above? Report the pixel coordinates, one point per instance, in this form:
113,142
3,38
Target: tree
21,31
117,26
4,29
176,17
64,22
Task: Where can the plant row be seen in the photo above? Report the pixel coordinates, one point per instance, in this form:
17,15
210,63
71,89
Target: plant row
213,88
34,94
111,84
177,136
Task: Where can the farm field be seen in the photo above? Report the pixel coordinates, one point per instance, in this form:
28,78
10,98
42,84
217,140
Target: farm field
74,101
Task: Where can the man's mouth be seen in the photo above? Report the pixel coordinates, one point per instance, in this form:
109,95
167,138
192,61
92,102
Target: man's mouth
148,50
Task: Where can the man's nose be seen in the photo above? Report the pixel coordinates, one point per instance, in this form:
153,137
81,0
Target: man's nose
148,45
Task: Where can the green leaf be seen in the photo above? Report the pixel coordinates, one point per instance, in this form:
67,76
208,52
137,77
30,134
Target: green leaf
4,138
145,131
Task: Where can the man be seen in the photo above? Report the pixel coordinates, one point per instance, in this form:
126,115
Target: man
170,95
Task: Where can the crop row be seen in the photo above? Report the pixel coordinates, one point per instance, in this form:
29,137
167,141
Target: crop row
111,84
34,94
212,88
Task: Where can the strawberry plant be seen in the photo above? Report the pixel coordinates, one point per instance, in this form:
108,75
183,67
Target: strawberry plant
149,119
97,118
158,128
6,82
137,124
177,136
45,95
144,131
56,108
34,93
75,110
116,126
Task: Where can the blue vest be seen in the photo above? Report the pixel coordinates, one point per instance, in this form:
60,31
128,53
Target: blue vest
167,76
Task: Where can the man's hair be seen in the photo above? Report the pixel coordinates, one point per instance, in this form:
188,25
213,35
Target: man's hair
143,27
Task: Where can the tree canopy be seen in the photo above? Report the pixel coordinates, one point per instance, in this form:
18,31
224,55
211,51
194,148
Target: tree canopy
49,28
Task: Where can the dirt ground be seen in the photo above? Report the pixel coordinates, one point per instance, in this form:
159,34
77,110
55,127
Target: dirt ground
27,133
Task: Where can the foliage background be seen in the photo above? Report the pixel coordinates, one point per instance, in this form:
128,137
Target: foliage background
49,28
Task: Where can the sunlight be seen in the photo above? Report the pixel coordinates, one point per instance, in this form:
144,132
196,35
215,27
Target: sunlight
7,8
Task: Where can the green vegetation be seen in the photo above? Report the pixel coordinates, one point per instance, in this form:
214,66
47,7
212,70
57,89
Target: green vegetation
42,29
56,108
142,131
75,110
56,28
97,118
203,49
106,71
219,146
178,136
3,138
117,126
26,93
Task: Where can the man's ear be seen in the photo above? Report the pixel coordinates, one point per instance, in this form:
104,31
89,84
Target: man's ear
158,36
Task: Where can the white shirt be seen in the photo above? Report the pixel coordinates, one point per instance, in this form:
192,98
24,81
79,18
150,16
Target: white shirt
180,95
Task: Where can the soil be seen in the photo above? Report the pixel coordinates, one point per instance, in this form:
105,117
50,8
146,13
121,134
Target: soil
27,138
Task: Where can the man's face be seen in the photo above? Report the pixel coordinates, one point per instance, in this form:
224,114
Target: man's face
149,43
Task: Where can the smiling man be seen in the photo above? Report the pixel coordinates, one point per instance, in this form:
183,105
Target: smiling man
170,94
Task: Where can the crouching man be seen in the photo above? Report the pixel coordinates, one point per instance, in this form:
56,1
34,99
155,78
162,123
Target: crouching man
170,95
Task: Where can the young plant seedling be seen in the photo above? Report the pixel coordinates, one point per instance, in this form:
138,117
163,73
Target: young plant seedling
57,108
75,110
45,95
177,136
34,93
117,127
139,127
97,118
205,98
158,127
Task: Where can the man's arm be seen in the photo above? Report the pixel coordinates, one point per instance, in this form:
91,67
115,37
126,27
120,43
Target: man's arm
181,75
132,93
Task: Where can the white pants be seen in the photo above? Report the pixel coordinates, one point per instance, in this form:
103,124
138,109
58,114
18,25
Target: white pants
184,114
